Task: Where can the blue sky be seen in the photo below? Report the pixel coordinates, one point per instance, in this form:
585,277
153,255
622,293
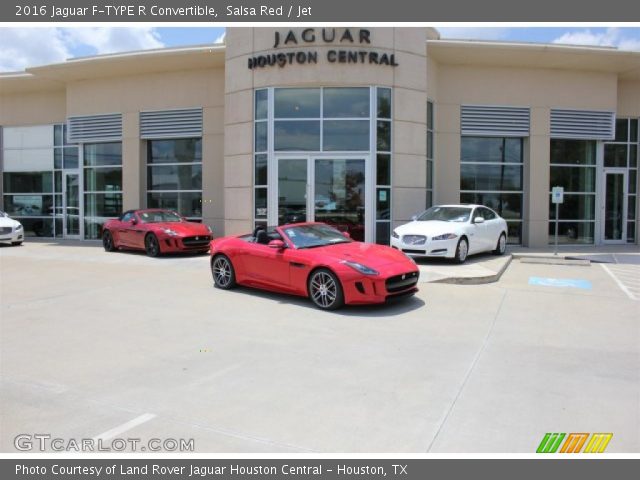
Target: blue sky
22,47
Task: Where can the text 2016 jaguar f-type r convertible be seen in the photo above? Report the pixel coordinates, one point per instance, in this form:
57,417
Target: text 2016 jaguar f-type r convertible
314,260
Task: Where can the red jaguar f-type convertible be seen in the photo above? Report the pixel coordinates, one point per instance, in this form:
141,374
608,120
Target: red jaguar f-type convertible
314,260
155,231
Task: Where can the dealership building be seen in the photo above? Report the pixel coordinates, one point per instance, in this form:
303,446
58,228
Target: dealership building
358,127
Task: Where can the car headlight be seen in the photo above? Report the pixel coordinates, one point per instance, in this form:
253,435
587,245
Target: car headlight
394,234
168,231
361,268
19,227
445,236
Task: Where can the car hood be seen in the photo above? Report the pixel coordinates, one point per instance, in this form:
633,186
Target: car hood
184,228
430,228
369,254
8,222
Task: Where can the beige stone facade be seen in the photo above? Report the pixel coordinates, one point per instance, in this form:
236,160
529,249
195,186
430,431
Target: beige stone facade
218,80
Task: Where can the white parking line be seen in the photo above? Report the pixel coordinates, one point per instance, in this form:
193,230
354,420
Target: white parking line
622,286
124,427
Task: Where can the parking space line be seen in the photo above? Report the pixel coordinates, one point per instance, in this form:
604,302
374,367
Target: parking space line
622,286
125,426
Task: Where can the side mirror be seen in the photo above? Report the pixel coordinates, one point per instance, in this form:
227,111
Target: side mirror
133,221
277,244
478,220
414,217
346,234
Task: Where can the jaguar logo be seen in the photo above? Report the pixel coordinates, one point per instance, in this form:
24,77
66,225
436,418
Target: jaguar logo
404,276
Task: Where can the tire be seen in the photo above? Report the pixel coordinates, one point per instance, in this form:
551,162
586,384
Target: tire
224,276
462,250
107,241
16,244
325,290
501,246
151,245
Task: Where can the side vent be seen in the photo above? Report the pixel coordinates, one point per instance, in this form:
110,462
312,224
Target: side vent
582,124
94,128
182,123
494,121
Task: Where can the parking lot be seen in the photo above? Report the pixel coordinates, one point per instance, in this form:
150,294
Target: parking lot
105,345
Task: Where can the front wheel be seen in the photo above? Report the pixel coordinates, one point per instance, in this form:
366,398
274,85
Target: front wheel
501,246
107,241
325,290
462,250
224,276
151,245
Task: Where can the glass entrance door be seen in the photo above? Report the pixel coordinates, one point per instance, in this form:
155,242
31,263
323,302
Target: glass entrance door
329,190
71,205
615,182
339,194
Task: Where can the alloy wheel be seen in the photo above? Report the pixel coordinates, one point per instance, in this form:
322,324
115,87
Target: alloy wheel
222,273
463,250
323,290
153,248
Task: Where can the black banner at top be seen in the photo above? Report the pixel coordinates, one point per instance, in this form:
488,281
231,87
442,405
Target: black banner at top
319,11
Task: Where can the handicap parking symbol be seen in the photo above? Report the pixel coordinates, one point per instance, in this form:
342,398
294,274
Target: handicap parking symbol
560,282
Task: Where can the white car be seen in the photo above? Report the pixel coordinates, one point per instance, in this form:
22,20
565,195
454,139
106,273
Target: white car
452,231
10,230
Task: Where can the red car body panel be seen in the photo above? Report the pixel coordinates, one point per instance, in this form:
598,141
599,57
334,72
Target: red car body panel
192,236
287,270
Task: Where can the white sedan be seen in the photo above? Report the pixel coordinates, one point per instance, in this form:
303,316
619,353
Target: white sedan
10,230
452,231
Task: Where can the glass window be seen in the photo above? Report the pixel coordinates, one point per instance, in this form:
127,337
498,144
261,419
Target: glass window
383,204
70,157
37,227
28,205
384,136
573,152
296,136
622,130
508,205
383,168
345,135
491,150
490,177
345,103
633,130
103,154
187,150
260,203
105,205
260,170
384,102
574,207
187,204
297,103
57,136
103,179
573,179
572,232
27,182
383,233
615,155
261,108
174,177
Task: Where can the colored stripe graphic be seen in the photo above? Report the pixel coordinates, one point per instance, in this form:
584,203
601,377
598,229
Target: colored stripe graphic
598,442
574,443
550,442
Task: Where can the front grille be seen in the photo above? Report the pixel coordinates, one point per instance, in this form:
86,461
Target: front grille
199,241
402,282
414,239
5,230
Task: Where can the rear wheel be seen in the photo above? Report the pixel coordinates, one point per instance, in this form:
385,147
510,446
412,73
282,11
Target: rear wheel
107,241
325,290
224,276
501,246
151,245
462,250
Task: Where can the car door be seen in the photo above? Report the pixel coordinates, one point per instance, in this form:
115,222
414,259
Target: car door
494,228
265,265
120,230
132,232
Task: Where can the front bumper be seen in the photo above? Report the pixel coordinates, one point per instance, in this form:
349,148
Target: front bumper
431,248
12,236
372,289
196,243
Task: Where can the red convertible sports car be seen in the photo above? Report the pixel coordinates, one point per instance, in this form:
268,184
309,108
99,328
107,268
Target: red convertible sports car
155,231
314,260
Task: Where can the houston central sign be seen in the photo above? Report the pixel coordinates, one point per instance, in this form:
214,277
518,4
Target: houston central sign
342,37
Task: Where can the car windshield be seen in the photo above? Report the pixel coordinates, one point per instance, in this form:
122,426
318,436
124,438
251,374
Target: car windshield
159,216
311,236
446,214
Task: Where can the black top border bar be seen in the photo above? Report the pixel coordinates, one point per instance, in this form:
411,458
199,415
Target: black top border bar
320,11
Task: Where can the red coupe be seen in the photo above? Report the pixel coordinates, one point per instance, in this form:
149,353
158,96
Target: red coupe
155,231
314,260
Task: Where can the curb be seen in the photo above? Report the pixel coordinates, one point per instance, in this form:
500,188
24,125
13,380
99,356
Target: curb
552,259
477,280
